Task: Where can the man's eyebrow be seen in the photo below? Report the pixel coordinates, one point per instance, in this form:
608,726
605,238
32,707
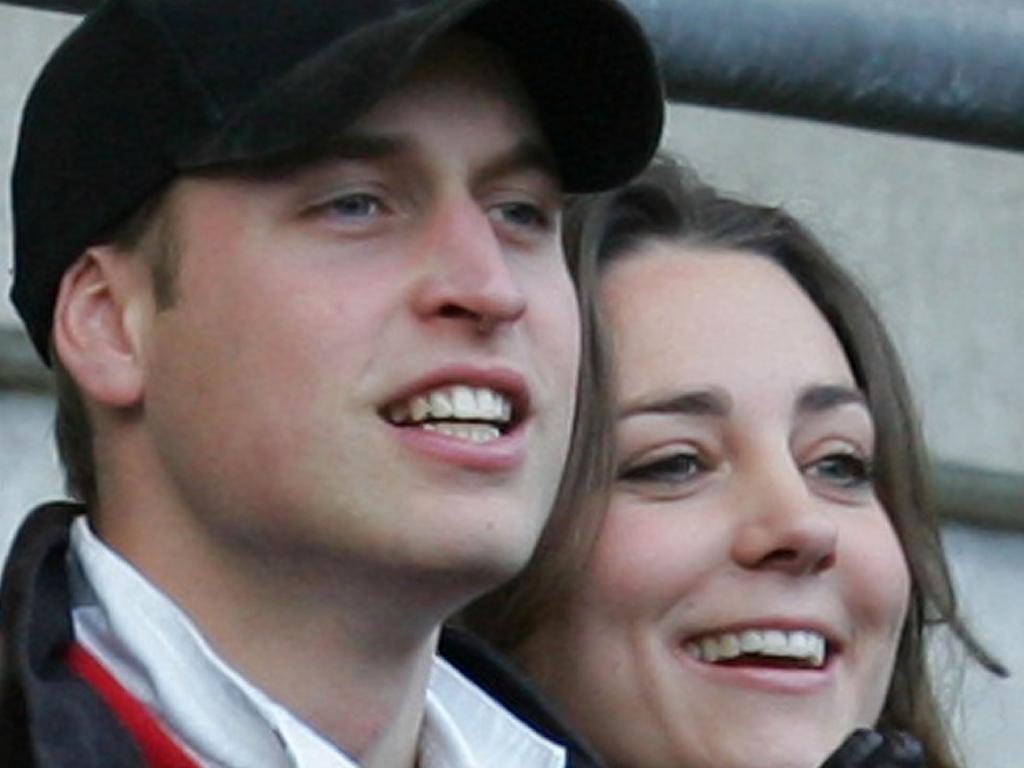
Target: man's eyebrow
825,397
523,156
347,146
363,146
703,402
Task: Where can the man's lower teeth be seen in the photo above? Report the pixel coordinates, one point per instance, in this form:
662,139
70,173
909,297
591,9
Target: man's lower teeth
474,433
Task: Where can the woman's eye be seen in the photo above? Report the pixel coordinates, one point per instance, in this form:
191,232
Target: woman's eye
675,468
844,470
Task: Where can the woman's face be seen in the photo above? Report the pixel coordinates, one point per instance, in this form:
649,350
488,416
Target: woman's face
744,601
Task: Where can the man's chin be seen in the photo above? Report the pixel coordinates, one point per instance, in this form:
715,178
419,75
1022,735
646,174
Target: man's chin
474,574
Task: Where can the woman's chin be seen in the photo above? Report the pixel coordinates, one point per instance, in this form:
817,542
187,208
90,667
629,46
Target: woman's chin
775,745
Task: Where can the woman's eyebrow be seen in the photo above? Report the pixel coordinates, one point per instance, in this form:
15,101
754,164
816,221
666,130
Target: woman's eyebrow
824,397
704,402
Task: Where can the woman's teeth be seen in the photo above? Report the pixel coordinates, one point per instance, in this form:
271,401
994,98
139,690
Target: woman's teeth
474,433
804,646
469,413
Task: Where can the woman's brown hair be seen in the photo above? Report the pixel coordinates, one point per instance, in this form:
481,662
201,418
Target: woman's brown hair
669,203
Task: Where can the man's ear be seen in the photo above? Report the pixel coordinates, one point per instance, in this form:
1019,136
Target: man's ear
103,313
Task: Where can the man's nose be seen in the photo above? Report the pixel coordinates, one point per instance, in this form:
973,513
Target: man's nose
468,277
782,526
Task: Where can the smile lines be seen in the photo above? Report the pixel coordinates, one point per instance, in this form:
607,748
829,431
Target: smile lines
475,414
806,647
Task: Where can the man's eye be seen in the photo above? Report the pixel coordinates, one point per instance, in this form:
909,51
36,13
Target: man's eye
675,468
355,206
522,214
843,470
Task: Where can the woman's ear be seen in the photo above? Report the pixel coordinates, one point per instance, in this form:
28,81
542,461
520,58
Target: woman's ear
103,311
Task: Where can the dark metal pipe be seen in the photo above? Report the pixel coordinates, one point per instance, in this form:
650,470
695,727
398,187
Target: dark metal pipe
951,69
67,6
978,496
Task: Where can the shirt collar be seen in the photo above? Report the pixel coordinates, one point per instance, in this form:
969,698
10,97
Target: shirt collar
465,728
155,652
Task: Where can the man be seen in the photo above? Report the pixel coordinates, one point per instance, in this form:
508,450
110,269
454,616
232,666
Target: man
297,265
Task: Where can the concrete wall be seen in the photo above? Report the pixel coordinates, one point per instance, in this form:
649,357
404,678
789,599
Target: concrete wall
935,232
26,38
29,470
989,712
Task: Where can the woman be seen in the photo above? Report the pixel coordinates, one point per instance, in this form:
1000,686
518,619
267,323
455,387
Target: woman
760,573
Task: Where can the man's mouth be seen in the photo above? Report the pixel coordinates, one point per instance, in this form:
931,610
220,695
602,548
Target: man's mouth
803,649
474,414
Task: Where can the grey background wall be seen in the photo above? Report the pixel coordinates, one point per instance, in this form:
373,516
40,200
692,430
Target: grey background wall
936,233
28,465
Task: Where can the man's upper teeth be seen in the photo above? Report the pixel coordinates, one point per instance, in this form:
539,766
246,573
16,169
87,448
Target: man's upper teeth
803,645
454,402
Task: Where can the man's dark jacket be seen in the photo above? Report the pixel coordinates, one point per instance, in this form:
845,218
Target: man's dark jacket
50,718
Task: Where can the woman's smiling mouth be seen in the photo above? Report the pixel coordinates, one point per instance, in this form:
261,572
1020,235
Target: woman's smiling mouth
802,649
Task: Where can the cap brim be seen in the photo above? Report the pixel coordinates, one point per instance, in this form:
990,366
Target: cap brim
585,64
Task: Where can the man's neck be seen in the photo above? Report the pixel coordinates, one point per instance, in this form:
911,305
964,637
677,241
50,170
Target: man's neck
348,652
364,691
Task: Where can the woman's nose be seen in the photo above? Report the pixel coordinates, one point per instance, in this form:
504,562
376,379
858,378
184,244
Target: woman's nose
782,526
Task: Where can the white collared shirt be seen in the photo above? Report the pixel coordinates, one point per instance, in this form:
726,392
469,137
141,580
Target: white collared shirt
151,647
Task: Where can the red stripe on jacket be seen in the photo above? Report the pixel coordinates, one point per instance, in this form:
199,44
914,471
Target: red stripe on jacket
158,749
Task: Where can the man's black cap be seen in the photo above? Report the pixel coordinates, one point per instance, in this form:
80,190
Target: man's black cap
144,90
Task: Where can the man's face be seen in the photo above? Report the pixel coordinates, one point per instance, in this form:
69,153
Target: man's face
373,358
